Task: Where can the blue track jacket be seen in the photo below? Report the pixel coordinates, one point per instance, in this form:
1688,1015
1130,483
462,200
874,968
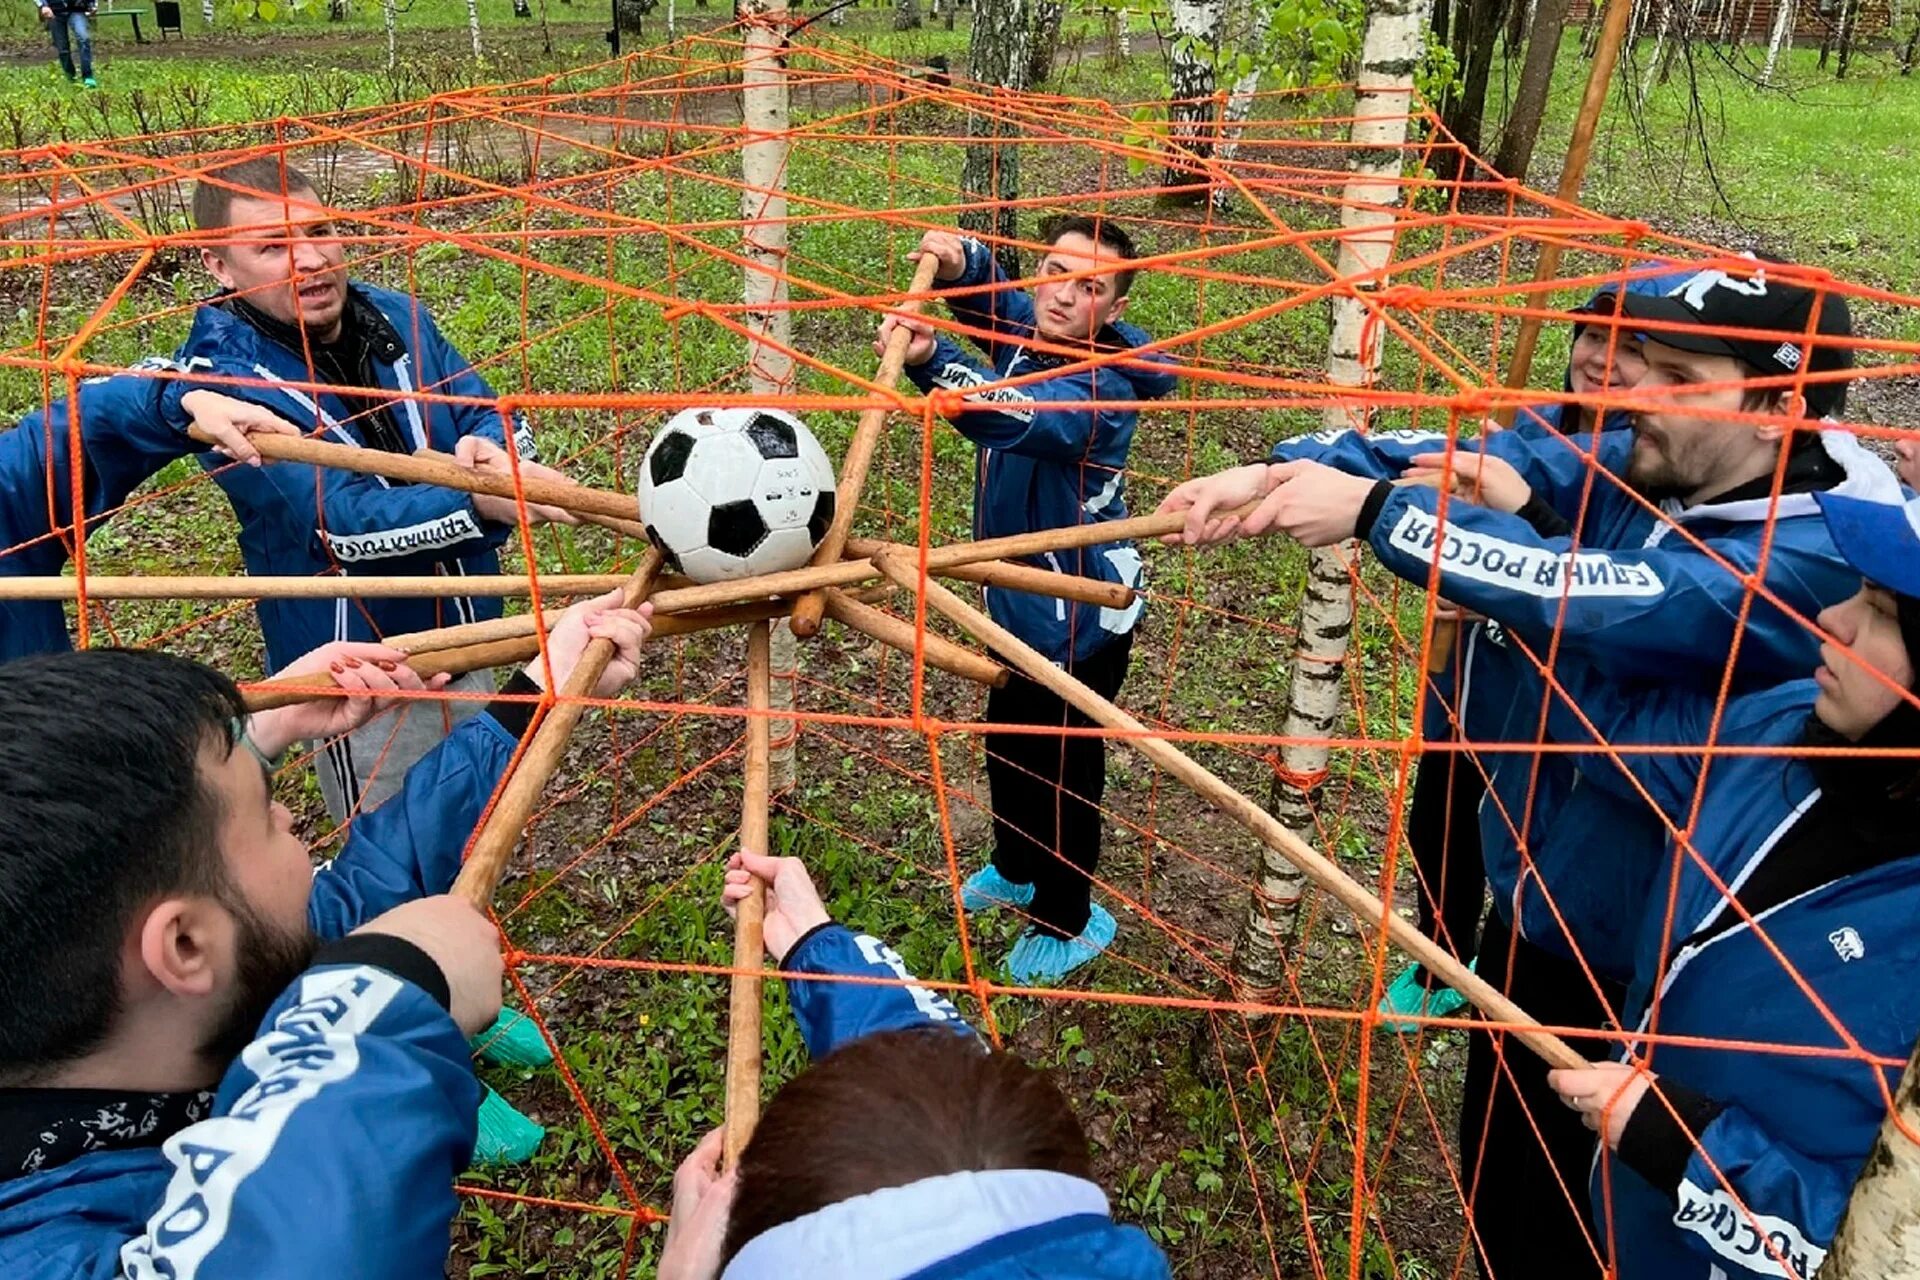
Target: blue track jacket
302,520
124,440
1643,605
1041,466
1774,1167
301,1171
1007,1224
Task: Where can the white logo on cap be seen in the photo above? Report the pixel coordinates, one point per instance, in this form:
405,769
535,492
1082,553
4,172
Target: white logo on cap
1695,289
1787,356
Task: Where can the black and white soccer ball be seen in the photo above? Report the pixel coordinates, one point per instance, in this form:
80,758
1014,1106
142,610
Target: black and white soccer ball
735,493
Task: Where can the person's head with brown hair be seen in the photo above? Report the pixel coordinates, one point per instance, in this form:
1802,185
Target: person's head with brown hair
908,1150
893,1109
278,246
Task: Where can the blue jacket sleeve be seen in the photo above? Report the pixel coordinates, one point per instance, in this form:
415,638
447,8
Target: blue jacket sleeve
410,847
1001,312
832,1014
1765,1196
459,378
1057,419
355,1103
1640,613
1554,465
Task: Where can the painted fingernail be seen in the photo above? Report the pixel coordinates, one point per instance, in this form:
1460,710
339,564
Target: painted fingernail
384,665
351,662
336,667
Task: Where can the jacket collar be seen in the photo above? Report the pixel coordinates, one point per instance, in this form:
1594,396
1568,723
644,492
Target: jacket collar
896,1233
1860,474
43,1129
363,320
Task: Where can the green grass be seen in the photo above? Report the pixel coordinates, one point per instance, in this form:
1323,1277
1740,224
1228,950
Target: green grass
1225,1142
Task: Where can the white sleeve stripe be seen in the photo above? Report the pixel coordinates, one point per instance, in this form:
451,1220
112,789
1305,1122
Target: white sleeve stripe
313,1044
955,376
429,535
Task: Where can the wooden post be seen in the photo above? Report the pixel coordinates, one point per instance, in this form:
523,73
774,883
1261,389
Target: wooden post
1368,910
493,843
743,996
853,468
1578,150
1880,1235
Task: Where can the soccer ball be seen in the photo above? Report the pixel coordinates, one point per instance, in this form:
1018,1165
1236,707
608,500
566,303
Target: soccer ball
735,493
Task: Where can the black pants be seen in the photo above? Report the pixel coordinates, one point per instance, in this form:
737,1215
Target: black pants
1529,1202
1046,791
1443,831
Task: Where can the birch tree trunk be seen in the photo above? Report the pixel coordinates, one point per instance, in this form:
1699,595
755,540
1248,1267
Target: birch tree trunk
1849,18
1044,45
1126,33
206,11
1659,45
1880,1235
473,25
1913,47
389,15
996,56
1782,24
1190,78
763,207
906,15
1390,52
672,22
1247,24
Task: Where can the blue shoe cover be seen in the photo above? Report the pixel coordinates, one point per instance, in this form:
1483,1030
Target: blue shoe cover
1041,960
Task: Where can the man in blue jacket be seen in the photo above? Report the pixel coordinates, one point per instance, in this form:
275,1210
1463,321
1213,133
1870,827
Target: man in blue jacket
1053,445
346,360
1782,922
1646,583
202,1039
123,442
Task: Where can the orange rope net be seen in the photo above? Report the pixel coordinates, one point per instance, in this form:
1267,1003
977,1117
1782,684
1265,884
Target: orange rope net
580,238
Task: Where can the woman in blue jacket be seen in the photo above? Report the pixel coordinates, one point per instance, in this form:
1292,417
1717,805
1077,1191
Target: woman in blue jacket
907,1150
1785,921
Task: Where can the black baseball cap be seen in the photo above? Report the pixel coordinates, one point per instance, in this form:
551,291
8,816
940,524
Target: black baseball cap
1747,299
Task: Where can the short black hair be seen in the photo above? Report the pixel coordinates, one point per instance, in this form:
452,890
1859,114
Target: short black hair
268,175
1102,231
103,810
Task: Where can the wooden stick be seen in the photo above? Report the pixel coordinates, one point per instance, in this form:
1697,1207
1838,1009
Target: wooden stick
1014,577
493,845
790,582
807,611
898,634
1579,147
743,994
1366,908
619,524
439,469
458,659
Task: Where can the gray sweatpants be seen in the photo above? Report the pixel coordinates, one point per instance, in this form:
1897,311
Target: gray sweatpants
362,769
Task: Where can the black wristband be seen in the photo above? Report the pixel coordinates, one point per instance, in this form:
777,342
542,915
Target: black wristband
1657,1146
515,717
803,940
1370,509
1546,522
397,956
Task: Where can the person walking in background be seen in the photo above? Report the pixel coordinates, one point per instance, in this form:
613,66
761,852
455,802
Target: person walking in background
67,21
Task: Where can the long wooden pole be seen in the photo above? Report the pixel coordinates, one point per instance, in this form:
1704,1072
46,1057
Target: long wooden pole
430,467
897,633
619,524
1585,123
790,582
1014,577
808,611
1364,906
743,994
455,658
493,845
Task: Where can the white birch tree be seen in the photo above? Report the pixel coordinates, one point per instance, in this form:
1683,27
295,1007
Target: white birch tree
1782,25
1197,26
1395,38
1880,1235
473,25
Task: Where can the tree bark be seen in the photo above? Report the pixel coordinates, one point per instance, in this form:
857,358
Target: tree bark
1476,33
473,26
206,11
1515,156
388,15
1913,48
764,110
1782,25
1044,44
1247,24
1880,1234
1849,19
906,15
1196,38
996,57
1390,52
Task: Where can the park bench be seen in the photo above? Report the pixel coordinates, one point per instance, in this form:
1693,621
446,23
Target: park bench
166,15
